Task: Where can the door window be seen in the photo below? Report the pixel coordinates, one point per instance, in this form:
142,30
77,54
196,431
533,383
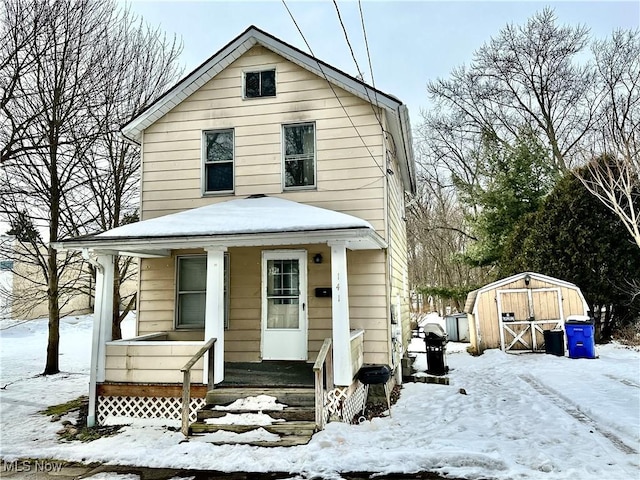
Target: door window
283,294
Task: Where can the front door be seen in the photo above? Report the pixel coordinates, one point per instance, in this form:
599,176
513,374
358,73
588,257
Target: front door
284,305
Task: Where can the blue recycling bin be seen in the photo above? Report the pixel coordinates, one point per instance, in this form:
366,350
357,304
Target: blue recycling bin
580,336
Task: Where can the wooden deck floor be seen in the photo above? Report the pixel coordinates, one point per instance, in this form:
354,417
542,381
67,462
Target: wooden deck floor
268,374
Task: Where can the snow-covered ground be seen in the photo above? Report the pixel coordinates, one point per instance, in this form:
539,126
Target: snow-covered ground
516,417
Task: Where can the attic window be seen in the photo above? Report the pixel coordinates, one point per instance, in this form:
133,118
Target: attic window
260,84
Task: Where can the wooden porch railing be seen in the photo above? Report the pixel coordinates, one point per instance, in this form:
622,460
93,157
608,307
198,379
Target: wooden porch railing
323,371
357,350
186,380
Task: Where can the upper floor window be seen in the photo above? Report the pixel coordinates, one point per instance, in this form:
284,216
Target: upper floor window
192,288
260,84
299,155
218,161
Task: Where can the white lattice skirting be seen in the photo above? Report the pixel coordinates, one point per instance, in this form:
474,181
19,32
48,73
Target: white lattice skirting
354,404
146,407
343,405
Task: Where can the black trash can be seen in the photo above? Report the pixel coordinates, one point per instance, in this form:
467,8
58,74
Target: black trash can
436,345
554,342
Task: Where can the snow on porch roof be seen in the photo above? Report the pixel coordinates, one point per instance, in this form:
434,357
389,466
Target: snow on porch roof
255,220
247,215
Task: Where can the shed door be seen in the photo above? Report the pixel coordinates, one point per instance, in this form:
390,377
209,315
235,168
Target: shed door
524,314
284,309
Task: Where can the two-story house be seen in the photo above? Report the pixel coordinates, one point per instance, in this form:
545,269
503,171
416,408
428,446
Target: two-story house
272,210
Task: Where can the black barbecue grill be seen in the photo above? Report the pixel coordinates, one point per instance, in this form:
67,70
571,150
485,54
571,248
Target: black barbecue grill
375,375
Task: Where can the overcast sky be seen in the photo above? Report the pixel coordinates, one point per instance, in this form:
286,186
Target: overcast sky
410,42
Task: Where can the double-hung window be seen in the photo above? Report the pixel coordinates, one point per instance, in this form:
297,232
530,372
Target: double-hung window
192,288
299,155
218,161
260,84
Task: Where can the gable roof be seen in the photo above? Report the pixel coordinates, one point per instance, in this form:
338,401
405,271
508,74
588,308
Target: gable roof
397,113
472,297
256,220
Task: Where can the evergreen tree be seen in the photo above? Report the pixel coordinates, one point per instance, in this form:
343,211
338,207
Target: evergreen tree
516,180
574,237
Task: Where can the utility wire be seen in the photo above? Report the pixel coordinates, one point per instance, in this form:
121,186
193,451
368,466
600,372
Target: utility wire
384,173
353,55
366,44
346,37
371,102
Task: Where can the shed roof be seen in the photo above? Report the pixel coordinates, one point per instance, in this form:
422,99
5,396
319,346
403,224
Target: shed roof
472,297
396,112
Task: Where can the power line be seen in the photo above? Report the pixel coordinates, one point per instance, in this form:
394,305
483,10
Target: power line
353,56
346,37
366,44
384,173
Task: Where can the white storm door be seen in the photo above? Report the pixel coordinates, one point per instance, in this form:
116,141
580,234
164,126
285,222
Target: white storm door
284,305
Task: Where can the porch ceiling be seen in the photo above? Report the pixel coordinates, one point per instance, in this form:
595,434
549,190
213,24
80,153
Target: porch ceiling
252,221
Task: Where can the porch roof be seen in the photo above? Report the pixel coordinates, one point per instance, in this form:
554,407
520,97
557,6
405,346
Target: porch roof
254,221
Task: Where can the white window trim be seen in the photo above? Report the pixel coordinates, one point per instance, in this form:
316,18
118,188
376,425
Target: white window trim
203,162
284,162
227,286
265,68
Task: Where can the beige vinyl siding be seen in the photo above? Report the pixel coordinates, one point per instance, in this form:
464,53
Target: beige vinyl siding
242,339
367,300
348,178
156,295
398,250
149,363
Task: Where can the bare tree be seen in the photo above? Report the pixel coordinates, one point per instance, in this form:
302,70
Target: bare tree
438,231
42,169
79,62
613,175
143,64
17,38
526,77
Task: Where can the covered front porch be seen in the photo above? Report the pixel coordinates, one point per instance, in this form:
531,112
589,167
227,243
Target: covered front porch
276,303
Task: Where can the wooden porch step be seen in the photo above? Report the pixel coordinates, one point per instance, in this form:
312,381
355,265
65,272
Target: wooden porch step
292,396
284,429
288,441
288,414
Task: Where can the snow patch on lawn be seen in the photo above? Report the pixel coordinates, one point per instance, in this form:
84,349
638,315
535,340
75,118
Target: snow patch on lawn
523,416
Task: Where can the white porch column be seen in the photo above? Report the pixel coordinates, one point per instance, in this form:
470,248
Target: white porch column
102,320
214,311
342,373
